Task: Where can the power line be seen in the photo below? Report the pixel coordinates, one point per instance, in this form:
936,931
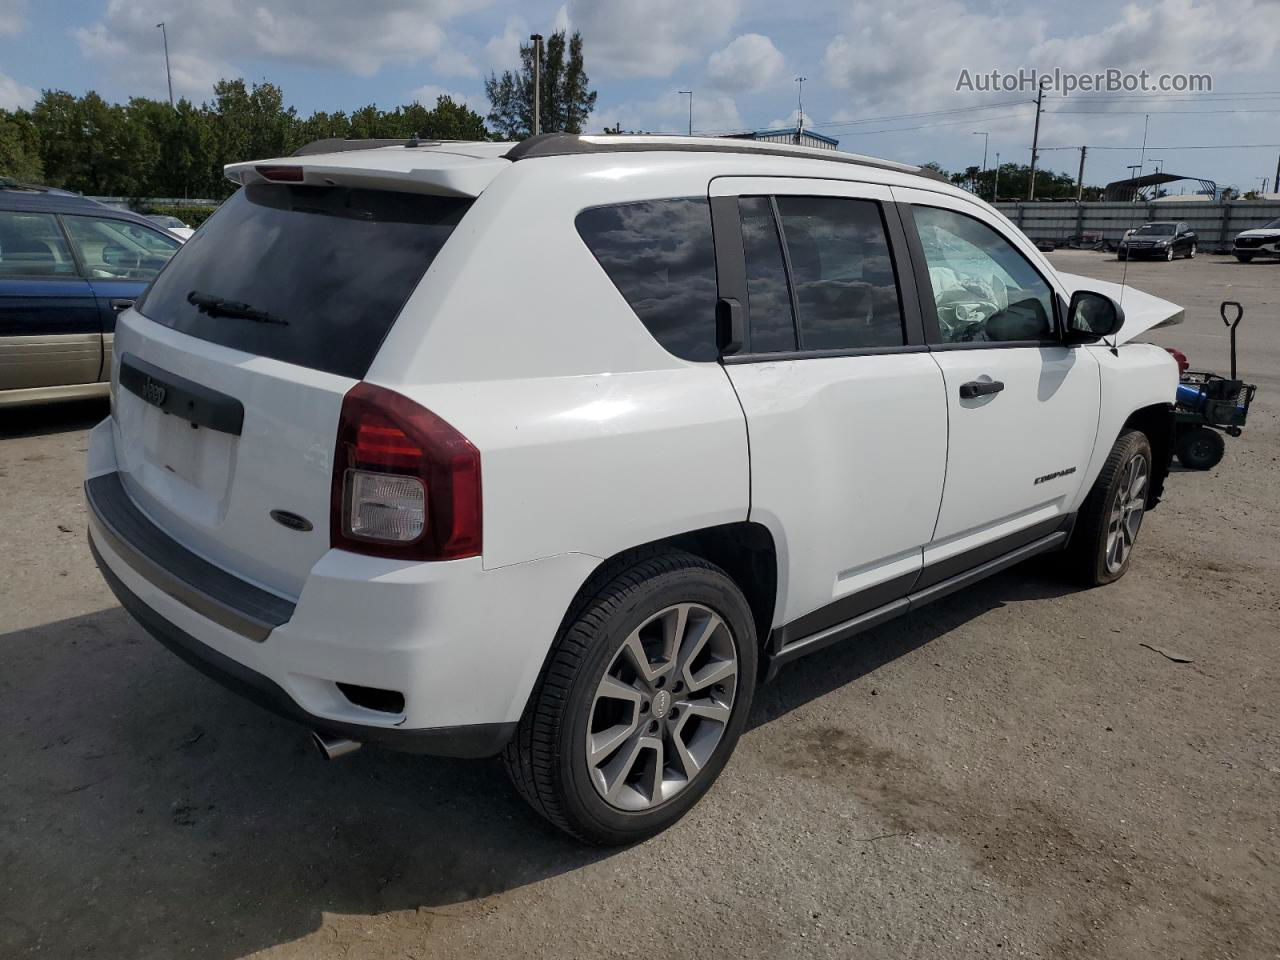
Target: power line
1152,113
1206,146
918,116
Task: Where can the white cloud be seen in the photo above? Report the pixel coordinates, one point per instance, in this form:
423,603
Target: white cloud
452,62
669,113
562,21
354,38
13,17
624,38
14,94
749,63
503,51
789,121
428,93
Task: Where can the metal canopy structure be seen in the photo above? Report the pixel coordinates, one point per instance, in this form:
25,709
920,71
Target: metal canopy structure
1143,188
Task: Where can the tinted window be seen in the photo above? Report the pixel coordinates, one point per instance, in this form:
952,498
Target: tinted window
983,288
772,326
843,276
335,264
32,245
118,249
659,254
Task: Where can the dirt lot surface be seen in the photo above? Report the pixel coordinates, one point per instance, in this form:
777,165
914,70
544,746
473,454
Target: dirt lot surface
1007,773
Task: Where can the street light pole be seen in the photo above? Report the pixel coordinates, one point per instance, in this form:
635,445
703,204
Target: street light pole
167,72
800,107
537,83
984,135
689,93
995,187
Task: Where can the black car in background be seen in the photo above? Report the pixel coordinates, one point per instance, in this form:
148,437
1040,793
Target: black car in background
1165,239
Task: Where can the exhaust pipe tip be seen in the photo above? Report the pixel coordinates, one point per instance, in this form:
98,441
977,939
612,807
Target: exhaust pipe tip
331,748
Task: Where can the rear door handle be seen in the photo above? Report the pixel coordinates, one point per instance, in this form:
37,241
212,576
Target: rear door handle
120,306
980,388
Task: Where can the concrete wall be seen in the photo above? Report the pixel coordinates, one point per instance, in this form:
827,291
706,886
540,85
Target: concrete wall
1216,223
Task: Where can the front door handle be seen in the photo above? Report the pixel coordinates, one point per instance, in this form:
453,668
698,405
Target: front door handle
121,305
980,388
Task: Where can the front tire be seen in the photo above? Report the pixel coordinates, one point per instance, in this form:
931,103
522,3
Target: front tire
1244,257
641,702
1107,526
1168,255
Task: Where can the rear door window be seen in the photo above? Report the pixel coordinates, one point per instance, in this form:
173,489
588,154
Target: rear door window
321,272
845,288
660,256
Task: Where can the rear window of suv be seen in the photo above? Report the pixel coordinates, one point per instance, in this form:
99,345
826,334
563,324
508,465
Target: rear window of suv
323,272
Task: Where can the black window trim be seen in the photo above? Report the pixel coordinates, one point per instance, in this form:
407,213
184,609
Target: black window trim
732,283
924,289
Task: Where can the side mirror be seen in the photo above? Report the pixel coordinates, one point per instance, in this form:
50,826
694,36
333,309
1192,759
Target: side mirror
1092,316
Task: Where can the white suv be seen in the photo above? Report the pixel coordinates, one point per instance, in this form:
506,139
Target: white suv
555,449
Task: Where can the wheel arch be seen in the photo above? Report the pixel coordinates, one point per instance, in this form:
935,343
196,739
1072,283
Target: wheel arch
744,549
1156,421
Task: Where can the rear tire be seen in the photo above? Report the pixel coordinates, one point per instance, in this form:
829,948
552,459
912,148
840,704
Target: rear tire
1200,448
612,750
1107,525
1191,252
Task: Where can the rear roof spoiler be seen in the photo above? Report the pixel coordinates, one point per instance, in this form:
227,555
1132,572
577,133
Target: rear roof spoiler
339,145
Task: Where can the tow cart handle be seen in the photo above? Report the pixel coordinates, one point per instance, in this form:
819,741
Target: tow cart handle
1232,324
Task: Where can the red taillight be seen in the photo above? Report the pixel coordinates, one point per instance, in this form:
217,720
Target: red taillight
1183,362
387,446
280,174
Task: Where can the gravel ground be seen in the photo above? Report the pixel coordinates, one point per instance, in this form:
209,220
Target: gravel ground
1007,773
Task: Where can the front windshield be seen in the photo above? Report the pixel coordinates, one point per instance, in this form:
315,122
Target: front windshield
1273,225
1156,229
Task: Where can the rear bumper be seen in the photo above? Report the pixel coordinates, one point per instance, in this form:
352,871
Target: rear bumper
471,740
463,645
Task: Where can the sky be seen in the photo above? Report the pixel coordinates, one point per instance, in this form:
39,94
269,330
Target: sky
880,77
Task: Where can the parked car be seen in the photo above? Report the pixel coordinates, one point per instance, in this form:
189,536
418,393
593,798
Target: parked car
1263,241
67,267
1164,239
175,226
553,450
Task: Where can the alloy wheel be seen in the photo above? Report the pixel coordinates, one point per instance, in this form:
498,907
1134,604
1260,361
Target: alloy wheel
1126,513
662,707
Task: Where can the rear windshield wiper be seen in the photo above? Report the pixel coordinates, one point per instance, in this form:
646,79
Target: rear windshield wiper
222,307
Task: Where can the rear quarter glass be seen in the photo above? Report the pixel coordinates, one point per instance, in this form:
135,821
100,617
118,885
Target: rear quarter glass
335,264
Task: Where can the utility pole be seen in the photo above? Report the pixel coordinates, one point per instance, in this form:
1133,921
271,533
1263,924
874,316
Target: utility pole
167,72
1276,188
1142,167
1080,176
995,187
984,135
800,107
537,83
689,93
1035,142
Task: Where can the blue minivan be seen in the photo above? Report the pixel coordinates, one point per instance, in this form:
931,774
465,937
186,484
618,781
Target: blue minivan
68,265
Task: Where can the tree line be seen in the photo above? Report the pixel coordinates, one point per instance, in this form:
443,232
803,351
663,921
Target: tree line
146,148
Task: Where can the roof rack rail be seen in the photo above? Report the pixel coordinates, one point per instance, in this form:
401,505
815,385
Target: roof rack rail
572,144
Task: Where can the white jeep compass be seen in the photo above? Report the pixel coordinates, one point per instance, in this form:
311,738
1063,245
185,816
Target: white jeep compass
554,450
